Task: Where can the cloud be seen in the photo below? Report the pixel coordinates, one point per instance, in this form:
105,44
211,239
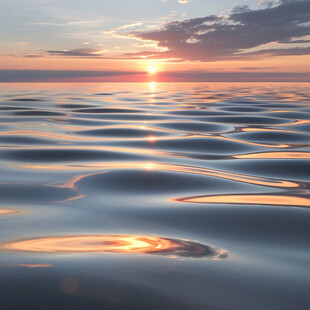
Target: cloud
257,68
80,52
132,25
180,1
236,36
282,52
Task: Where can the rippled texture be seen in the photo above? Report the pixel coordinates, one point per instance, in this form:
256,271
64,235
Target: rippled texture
154,196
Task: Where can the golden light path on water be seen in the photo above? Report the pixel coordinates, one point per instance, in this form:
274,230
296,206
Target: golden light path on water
250,199
275,155
29,265
8,212
121,244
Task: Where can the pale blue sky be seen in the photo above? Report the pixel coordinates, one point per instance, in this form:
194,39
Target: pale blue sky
32,25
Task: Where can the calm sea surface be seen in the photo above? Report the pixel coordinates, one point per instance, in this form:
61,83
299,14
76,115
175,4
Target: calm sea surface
154,196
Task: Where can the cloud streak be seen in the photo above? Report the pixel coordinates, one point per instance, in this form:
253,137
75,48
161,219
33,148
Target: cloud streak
80,52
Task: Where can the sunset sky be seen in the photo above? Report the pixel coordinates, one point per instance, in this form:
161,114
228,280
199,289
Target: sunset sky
164,40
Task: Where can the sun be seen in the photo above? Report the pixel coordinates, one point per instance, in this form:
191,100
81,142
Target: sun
152,70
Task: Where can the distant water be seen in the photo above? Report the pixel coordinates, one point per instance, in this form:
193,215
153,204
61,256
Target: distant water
155,196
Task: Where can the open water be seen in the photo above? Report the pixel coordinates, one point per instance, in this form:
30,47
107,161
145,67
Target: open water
155,196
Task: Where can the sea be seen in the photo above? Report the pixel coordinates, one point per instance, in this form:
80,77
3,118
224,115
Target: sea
154,196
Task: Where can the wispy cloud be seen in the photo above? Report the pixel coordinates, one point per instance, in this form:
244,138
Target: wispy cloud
83,23
80,52
127,26
180,1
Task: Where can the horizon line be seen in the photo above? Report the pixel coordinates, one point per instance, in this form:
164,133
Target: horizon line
97,76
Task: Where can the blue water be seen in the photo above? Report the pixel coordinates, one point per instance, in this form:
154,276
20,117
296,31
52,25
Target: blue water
155,196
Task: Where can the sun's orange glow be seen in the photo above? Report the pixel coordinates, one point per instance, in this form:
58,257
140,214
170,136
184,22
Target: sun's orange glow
152,70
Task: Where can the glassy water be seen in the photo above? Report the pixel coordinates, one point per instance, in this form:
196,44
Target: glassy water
154,196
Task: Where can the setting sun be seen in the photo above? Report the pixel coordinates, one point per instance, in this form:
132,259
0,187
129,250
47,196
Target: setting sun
152,70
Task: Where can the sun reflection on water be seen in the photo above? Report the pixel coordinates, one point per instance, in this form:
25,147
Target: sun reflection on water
250,199
153,86
8,212
118,244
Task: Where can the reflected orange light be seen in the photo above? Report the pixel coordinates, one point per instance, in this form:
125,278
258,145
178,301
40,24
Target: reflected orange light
149,166
6,212
30,265
151,138
272,130
254,143
71,183
76,137
167,167
122,244
106,244
295,123
275,155
100,148
43,134
250,199
77,197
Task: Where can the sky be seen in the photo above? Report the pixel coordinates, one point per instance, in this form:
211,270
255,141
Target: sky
163,40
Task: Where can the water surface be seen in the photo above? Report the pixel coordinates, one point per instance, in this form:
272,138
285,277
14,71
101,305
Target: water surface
154,196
